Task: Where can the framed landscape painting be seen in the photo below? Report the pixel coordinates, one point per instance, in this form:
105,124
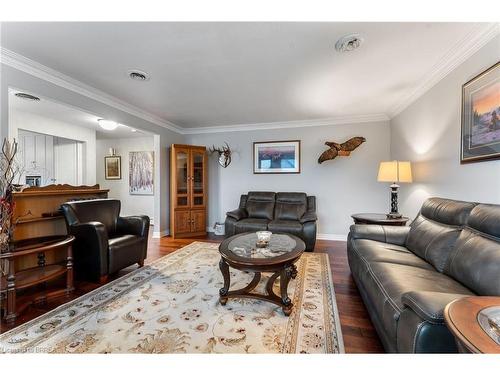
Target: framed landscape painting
112,168
481,117
141,172
276,157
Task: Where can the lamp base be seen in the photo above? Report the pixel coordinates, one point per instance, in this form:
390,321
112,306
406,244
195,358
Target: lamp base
394,215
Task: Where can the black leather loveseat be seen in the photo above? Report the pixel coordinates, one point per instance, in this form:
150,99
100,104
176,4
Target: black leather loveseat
407,275
105,242
293,213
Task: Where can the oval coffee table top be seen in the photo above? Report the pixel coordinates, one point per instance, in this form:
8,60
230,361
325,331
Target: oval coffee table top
242,248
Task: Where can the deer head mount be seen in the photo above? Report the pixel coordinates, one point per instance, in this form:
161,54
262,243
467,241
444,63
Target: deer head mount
224,154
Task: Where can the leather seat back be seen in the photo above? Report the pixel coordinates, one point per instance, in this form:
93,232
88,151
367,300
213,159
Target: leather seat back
260,204
475,260
290,206
105,211
434,232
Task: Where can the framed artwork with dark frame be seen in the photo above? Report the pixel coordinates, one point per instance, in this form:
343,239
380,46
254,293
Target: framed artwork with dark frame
112,168
276,157
481,117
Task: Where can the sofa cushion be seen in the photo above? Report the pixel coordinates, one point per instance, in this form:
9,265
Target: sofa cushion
260,205
374,251
290,206
387,282
286,226
250,225
475,259
435,230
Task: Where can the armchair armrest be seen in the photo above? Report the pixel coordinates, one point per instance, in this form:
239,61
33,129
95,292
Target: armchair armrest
136,225
238,214
429,305
382,233
308,216
91,245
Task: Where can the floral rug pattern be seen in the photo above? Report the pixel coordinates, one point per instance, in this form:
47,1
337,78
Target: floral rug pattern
172,306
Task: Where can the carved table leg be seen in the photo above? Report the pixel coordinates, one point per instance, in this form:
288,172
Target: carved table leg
11,314
289,272
223,292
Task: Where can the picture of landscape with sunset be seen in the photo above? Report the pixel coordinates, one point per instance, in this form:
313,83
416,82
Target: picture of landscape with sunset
485,125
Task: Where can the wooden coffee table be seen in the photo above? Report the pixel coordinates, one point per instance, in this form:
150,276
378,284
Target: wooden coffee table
240,252
462,319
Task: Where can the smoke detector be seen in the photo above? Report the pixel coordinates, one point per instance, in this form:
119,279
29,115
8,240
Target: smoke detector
348,43
25,96
138,75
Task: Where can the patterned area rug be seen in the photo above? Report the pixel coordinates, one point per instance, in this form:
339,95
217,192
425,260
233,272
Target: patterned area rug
172,306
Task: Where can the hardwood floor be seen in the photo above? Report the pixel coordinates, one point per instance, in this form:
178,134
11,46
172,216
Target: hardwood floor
357,329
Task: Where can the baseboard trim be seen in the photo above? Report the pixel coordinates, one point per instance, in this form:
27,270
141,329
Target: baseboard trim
161,234
331,237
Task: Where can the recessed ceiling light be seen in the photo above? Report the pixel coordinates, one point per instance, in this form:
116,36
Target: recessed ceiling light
133,130
107,124
348,43
138,75
25,96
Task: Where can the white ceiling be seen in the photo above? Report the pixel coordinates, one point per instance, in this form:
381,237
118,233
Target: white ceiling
59,112
214,74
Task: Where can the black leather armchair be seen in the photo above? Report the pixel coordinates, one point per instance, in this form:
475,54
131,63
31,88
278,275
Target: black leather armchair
105,242
293,213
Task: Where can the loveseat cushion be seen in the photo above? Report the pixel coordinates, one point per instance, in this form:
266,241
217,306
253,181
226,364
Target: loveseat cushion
285,226
435,230
260,205
290,206
250,225
375,251
475,259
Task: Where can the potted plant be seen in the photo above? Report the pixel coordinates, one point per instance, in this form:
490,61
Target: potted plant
8,173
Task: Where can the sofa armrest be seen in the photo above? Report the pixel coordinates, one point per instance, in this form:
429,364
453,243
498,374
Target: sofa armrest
308,216
429,305
383,233
136,225
238,214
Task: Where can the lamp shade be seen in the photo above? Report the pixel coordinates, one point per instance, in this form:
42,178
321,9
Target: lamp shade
395,171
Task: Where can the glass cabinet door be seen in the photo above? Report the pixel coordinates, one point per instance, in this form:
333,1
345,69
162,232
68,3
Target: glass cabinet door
182,177
198,178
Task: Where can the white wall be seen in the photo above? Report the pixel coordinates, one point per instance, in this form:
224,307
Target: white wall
343,186
118,189
428,134
44,125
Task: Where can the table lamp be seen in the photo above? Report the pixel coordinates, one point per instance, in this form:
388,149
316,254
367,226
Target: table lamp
394,171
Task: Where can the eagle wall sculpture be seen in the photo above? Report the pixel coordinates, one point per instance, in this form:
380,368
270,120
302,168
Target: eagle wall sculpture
342,149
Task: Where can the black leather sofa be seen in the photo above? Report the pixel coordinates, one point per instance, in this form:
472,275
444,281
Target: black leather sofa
407,275
105,242
293,213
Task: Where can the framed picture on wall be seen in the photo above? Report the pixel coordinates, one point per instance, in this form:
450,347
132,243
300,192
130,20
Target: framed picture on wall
112,167
141,172
276,157
481,117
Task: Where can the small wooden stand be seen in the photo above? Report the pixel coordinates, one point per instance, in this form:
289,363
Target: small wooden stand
15,281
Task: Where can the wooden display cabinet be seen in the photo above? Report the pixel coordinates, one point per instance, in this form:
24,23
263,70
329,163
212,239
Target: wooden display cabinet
188,190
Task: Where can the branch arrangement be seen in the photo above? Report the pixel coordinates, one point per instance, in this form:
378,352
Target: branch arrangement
7,175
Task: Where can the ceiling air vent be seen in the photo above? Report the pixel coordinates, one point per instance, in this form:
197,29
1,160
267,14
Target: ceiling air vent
348,43
25,96
138,75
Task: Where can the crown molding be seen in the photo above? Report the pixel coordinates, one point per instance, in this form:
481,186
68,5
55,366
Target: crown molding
26,65
455,56
339,120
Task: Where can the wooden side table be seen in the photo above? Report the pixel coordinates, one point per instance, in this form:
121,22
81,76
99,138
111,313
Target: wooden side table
380,219
14,281
461,317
